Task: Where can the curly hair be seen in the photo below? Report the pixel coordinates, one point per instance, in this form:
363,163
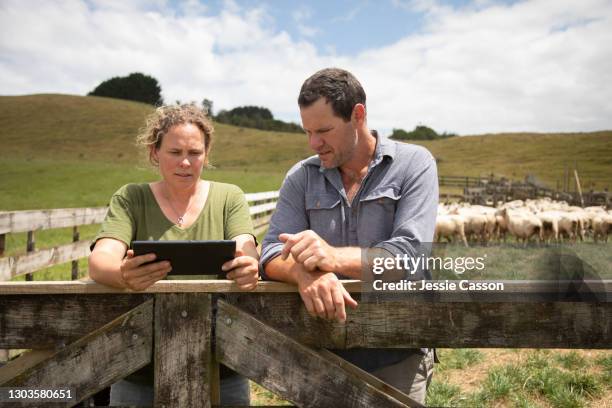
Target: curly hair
165,117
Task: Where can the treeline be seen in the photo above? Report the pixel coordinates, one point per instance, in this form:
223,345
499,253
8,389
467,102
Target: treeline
420,133
255,117
144,88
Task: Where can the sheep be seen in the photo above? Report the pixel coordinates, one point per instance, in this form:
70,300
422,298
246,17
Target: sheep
602,226
449,226
522,224
491,225
475,224
550,224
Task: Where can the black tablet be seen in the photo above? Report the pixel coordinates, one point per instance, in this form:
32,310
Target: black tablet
190,257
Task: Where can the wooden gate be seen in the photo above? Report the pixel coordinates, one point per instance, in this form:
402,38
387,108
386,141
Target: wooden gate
85,336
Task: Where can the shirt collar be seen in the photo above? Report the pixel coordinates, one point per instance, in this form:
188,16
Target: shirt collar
384,147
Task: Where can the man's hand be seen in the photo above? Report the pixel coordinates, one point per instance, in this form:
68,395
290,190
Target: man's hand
323,294
311,250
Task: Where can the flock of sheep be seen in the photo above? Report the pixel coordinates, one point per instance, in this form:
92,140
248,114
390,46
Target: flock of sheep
541,220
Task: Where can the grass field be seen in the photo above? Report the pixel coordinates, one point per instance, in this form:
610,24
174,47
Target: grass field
72,151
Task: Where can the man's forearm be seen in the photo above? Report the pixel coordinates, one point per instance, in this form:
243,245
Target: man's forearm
348,262
282,271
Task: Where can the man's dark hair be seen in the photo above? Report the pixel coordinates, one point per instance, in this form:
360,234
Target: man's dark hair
338,87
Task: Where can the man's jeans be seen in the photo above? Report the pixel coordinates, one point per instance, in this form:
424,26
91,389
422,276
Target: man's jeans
411,376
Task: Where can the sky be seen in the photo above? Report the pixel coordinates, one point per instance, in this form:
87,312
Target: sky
466,67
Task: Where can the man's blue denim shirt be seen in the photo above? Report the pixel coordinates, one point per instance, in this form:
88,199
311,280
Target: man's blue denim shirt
394,209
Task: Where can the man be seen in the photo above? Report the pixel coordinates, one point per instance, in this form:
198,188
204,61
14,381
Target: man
360,192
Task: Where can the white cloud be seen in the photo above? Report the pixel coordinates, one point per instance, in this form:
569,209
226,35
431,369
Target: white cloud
540,65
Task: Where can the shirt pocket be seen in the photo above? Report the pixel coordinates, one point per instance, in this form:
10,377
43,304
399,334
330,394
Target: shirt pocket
377,213
324,216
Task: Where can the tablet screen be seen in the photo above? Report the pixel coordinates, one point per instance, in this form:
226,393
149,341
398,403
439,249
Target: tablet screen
190,257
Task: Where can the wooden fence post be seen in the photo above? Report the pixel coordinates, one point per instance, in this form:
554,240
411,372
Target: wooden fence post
184,367
2,243
30,248
75,263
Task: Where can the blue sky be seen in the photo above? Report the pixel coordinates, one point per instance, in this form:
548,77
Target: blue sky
469,67
342,27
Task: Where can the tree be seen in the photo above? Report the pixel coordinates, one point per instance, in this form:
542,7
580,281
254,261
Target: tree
134,87
255,117
207,105
419,133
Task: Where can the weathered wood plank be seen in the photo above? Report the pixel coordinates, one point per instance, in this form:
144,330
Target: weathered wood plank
456,325
288,368
50,321
520,291
19,265
412,323
166,286
97,360
369,378
21,221
286,313
264,195
262,208
22,363
183,351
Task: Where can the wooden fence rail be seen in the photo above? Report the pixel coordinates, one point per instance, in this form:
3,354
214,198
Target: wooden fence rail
87,336
261,207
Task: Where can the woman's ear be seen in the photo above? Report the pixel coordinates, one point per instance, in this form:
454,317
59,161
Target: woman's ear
153,155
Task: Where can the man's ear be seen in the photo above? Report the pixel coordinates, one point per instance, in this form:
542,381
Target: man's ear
359,113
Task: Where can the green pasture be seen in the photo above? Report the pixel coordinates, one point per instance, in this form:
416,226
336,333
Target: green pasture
45,183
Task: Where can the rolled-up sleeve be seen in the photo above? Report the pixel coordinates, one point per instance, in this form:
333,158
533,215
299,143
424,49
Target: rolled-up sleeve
415,217
290,215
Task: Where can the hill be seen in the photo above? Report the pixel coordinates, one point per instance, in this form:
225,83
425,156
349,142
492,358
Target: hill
516,155
72,151
55,144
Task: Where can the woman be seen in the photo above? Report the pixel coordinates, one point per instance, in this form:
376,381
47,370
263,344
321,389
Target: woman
180,206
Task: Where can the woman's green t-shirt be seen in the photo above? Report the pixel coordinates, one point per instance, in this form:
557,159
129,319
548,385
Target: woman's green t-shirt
134,214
